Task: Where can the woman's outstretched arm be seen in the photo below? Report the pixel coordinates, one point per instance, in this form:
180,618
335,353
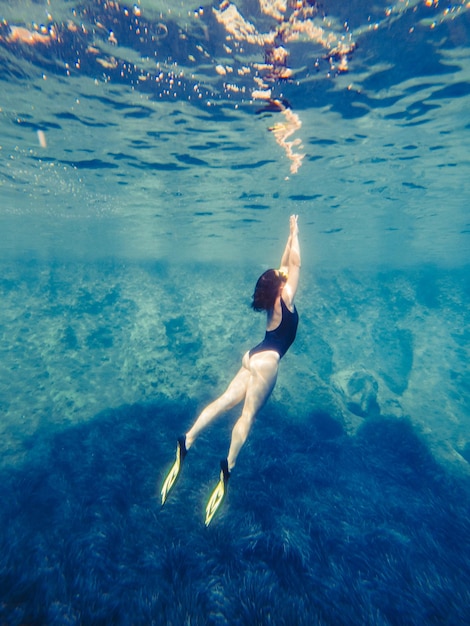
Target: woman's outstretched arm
285,255
291,261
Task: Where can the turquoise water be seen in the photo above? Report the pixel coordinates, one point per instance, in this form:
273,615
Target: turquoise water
144,187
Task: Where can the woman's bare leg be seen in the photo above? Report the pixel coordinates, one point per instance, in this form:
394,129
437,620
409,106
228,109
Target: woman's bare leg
263,368
232,396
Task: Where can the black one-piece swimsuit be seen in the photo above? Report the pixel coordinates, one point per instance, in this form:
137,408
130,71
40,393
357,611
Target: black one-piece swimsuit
281,338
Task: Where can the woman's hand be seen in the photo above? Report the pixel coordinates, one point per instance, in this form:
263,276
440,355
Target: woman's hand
294,229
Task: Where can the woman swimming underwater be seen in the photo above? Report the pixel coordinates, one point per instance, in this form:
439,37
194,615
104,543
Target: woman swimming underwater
274,293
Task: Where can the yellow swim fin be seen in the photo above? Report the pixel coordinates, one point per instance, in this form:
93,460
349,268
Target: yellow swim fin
175,469
219,492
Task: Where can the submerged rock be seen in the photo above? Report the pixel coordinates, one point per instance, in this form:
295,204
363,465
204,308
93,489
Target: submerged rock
359,391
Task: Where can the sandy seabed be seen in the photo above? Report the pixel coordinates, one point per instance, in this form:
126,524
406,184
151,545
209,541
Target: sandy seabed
79,339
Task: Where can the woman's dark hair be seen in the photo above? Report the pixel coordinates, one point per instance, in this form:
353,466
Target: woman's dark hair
266,290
